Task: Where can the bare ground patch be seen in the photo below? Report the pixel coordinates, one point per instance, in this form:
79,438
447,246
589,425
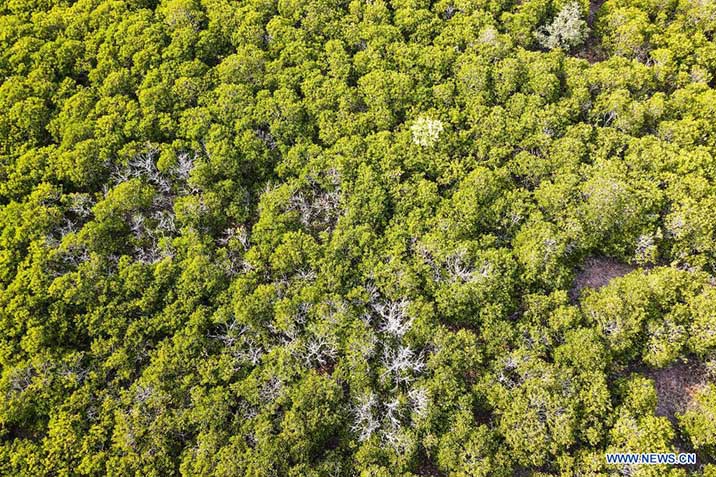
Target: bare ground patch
675,387
594,6
592,49
597,272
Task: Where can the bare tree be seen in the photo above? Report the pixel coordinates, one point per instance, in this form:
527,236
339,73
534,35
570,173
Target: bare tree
394,317
21,378
419,401
402,363
271,390
184,165
365,423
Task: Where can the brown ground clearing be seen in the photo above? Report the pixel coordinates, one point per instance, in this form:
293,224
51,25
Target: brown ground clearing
592,49
594,7
675,387
597,272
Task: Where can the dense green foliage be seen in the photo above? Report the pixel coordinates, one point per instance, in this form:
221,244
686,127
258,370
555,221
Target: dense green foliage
339,237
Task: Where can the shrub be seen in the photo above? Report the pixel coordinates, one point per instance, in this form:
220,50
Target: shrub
566,31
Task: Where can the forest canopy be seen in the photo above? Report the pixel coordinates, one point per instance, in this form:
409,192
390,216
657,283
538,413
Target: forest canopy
368,238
